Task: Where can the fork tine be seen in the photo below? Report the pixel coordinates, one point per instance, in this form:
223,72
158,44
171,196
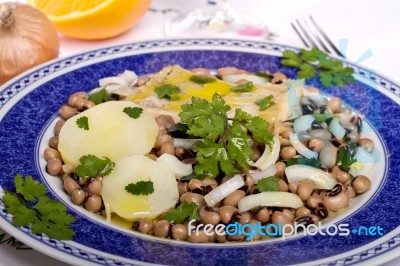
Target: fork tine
306,35
316,37
325,36
300,35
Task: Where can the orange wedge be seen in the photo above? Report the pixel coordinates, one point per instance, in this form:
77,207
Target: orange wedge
93,19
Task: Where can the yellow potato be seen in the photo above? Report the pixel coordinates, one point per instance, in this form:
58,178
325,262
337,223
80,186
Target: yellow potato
132,170
112,133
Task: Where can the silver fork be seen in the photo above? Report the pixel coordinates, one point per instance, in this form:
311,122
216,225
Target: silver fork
312,35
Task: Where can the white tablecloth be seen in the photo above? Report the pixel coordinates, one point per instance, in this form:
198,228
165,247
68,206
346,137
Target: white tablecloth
369,27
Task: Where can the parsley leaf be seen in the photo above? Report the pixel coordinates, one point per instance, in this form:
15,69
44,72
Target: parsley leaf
314,162
345,159
257,126
83,122
30,206
268,184
133,112
211,157
245,87
323,117
91,166
100,96
140,188
201,79
268,77
204,119
315,62
167,92
184,211
265,103
29,188
226,146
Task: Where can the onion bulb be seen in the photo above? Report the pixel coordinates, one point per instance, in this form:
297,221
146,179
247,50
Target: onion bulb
27,39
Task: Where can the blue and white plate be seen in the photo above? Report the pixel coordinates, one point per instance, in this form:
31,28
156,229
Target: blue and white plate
28,111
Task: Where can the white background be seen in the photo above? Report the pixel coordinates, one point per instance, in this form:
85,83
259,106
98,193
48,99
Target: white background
364,24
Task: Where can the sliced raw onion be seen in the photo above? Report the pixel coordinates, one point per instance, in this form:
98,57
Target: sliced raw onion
127,78
223,190
113,80
233,78
269,158
180,169
270,171
321,179
336,129
315,96
365,163
185,143
303,123
270,199
300,148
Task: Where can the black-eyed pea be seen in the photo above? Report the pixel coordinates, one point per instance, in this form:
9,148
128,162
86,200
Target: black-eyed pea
302,211
145,225
182,188
293,187
367,144
234,198
53,142
361,184
289,214
73,99
288,152
93,203
278,217
283,186
226,213
161,228
280,169
67,111
59,124
70,185
209,216
167,147
179,232
315,144
165,121
245,217
78,196
95,187
350,192
54,166
263,215
305,189
193,197
198,236
313,200
335,203
335,104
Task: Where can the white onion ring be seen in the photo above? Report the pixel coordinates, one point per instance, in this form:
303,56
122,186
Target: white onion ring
303,123
177,167
269,158
300,148
336,129
185,143
223,190
233,78
270,171
321,179
270,199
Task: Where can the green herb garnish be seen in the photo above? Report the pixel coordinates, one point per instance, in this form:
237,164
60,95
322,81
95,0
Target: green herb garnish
345,159
91,166
140,188
133,112
83,122
314,162
100,96
268,184
201,79
264,75
167,92
226,147
29,205
315,62
265,103
185,211
324,117
245,87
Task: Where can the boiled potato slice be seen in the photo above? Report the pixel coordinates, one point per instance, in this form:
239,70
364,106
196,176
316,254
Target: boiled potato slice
132,170
112,133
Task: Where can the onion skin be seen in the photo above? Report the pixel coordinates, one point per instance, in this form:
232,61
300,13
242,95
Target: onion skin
28,38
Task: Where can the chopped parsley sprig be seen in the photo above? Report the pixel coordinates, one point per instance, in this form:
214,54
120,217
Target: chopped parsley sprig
30,206
140,188
314,62
227,141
